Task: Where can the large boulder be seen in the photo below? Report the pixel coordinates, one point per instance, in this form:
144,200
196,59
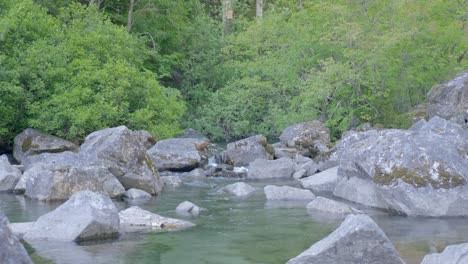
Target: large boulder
11,250
422,171
178,153
309,137
270,169
239,189
146,138
119,150
32,142
9,175
450,100
273,192
136,219
243,152
85,216
456,254
187,208
358,240
48,183
136,195
321,182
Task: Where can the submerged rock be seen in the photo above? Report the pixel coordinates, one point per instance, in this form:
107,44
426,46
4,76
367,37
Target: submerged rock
270,169
136,219
32,142
330,207
187,209
358,240
85,216
178,153
9,175
455,254
287,193
239,189
421,171
321,182
309,137
136,194
243,152
11,250
450,100
60,183
124,155
171,181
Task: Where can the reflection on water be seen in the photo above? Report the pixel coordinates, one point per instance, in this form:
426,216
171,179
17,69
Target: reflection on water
232,231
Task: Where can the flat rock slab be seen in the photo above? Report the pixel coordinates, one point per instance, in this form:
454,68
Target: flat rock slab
271,169
177,153
330,207
287,193
136,219
321,182
358,240
11,250
455,254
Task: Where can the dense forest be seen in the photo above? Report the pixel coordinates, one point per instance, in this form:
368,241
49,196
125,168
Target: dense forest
228,68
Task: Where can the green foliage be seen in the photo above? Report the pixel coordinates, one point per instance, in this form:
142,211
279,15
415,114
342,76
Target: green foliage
77,72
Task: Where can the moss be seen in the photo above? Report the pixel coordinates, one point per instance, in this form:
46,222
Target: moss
445,180
202,146
33,254
26,144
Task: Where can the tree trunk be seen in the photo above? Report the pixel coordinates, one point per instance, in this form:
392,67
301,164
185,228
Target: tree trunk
130,15
259,8
228,15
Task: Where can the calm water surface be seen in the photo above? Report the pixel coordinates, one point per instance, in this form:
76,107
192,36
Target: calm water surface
232,231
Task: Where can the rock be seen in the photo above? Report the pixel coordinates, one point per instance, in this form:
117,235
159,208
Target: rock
456,254
196,173
20,229
136,219
287,193
419,172
309,137
192,133
358,240
227,171
299,159
187,209
268,169
327,206
136,194
321,182
124,155
9,175
178,153
11,250
171,181
59,183
310,168
85,216
239,189
299,174
243,152
286,153
61,159
146,138
32,142
450,100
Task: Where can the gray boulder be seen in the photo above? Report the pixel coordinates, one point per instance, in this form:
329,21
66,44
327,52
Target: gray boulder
309,137
287,193
187,209
146,138
285,152
172,181
299,174
239,189
456,254
136,219
9,175
358,240
327,206
178,153
20,229
196,173
243,152
321,182
60,183
310,168
32,142
450,100
421,171
119,150
11,250
270,169
85,216
192,133
136,194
